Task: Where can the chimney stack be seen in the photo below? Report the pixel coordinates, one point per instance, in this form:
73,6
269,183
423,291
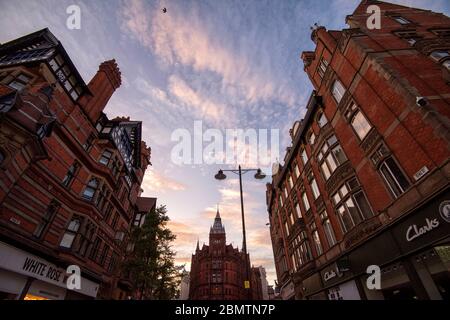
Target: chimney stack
102,86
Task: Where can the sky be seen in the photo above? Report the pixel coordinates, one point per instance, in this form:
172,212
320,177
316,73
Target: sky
230,64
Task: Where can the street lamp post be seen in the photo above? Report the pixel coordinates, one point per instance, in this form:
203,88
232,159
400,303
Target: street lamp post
259,175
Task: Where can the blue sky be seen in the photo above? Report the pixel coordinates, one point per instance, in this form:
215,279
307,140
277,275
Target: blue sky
231,64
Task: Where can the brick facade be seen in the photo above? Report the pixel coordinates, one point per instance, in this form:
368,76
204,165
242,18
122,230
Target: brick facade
218,270
69,176
373,159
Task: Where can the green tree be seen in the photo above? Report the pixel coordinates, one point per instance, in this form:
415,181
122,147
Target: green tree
151,264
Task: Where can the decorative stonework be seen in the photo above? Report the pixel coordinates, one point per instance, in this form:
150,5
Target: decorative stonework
426,46
361,231
341,173
370,141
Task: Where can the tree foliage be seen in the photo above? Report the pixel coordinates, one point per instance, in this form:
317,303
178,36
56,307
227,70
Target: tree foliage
151,264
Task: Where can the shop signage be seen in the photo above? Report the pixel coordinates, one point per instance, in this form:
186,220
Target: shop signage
414,231
332,273
22,262
426,225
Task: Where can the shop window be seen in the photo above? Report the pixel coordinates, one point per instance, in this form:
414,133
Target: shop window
338,90
328,229
46,219
70,175
105,157
71,232
393,176
351,205
322,119
322,67
360,125
316,239
331,156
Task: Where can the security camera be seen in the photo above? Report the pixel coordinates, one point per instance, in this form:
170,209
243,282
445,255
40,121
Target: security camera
421,101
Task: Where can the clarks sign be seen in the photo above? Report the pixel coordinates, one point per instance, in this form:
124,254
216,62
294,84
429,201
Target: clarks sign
426,225
414,231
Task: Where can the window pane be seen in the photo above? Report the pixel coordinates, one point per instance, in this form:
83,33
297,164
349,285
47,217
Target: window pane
322,120
88,193
16,85
325,170
354,211
338,90
74,225
363,205
339,155
315,188
329,233
331,140
297,209
305,201
360,124
67,240
317,243
345,218
304,156
439,54
331,163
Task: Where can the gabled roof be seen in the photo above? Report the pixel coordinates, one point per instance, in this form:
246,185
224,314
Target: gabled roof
38,41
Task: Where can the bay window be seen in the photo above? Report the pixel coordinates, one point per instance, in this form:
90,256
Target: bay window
328,229
330,156
351,205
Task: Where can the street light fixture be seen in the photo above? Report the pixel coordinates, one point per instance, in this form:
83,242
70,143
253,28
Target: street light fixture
258,175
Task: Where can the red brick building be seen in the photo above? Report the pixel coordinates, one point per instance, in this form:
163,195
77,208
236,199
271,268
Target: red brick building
218,270
69,176
366,179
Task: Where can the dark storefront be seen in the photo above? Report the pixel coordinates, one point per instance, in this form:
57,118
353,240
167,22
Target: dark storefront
413,254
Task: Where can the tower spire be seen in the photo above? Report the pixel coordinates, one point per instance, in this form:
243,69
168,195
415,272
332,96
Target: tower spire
198,245
217,226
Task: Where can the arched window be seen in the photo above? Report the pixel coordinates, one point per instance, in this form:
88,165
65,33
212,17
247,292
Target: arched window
91,189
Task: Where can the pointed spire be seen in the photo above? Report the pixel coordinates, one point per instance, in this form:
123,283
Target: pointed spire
217,226
198,245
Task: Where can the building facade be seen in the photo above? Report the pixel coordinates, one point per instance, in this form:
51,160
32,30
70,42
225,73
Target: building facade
366,179
259,284
69,176
218,270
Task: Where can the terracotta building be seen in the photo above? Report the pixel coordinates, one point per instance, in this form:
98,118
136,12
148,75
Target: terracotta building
69,176
218,270
366,179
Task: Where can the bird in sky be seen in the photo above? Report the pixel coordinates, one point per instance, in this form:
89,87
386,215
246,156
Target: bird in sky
164,10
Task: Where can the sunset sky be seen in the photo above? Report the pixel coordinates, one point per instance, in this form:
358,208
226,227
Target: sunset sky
231,64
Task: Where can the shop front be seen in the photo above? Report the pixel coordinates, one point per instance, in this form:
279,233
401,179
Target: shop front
413,255
29,277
